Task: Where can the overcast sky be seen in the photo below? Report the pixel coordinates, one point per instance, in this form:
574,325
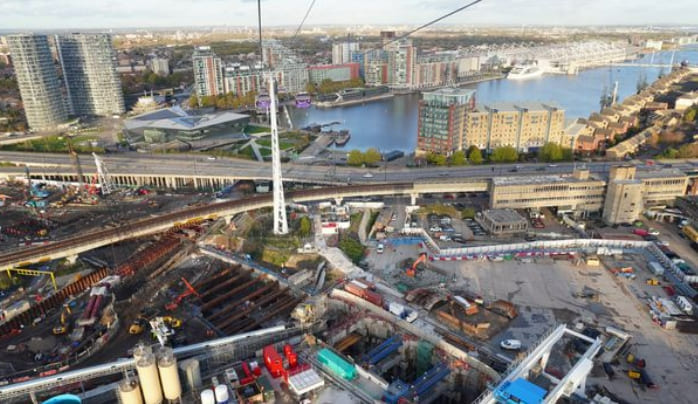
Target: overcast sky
57,14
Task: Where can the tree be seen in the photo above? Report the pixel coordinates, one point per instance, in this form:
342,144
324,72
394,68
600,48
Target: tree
305,227
372,156
458,158
355,158
550,152
436,159
474,155
504,154
193,101
690,115
467,213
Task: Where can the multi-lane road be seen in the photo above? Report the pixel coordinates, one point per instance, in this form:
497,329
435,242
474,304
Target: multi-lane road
198,165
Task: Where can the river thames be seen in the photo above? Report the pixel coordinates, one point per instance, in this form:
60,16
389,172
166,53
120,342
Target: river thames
391,124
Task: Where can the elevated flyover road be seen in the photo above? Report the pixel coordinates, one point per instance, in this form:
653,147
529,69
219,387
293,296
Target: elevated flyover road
144,169
100,237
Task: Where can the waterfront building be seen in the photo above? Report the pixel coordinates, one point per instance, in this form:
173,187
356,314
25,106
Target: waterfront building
241,79
578,194
342,52
159,66
88,62
208,72
376,72
38,82
441,118
401,58
523,125
170,124
341,72
294,77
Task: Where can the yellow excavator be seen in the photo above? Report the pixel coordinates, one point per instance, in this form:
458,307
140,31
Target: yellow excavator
63,328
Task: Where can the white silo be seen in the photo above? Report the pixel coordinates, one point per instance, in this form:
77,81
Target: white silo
130,392
192,373
221,392
208,397
169,376
150,382
141,350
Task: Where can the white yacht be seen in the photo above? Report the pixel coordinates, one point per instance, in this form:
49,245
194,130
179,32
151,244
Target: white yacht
523,72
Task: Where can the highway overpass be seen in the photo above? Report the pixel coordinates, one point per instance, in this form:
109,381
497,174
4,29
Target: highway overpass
194,170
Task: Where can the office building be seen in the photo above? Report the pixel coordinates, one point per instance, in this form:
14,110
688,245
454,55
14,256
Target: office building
159,66
342,52
525,126
441,119
344,72
88,63
208,72
578,194
38,82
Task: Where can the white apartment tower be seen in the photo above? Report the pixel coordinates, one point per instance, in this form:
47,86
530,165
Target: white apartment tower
88,62
341,52
38,81
208,72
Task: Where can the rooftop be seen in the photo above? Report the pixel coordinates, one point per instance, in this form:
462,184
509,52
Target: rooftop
519,105
503,216
661,173
176,118
450,91
541,179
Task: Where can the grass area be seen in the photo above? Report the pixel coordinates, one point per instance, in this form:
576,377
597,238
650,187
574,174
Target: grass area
56,144
265,152
7,164
352,248
251,129
274,257
371,222
439,209
354,222
282,144
246,153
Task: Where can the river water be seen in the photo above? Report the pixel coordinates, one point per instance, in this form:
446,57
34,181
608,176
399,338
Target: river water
391,124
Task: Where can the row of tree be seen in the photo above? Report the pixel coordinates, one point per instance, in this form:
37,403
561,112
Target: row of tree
224,101
328,86
505,154
370,157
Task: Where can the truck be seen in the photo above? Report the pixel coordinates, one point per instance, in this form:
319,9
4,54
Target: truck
690,233
656,268
402,312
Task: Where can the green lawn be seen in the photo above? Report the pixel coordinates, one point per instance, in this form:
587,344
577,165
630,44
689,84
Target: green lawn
56,144
251,129
282,145
246,152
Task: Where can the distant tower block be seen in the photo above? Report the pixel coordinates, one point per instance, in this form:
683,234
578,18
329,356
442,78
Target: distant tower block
103,174
130,392
169,376
280,222
150,381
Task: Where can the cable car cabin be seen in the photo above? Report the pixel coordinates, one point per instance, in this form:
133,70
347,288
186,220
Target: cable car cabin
262,102
303,100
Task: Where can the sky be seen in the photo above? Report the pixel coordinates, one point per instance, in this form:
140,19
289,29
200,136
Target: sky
100,14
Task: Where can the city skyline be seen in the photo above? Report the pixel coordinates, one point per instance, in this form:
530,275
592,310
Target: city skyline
74,14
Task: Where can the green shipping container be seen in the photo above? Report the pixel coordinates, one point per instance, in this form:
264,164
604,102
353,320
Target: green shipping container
336,364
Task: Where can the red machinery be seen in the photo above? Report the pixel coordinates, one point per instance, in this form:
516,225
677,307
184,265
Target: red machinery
291,356
273,361
412,271
177,300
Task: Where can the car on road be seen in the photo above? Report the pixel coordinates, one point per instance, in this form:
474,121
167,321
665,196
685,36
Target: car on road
552,165
368,175
380,249
510,344
211,157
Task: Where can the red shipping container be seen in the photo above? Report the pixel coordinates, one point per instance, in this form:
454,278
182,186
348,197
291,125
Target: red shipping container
374,298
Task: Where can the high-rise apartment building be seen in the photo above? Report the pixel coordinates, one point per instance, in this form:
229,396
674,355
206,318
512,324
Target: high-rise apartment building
159,66
88,62
523,125
401,62
342,52
442,113
208,72
38,81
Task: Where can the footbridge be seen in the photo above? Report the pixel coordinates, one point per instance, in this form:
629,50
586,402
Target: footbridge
70,247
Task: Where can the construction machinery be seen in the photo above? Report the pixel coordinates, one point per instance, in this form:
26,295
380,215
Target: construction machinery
63,327
412,271
138,325
177,300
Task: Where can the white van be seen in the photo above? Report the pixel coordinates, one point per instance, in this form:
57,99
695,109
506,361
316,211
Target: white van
380,248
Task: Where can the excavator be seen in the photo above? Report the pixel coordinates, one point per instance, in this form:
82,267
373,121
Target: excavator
412,271
177,300
63,328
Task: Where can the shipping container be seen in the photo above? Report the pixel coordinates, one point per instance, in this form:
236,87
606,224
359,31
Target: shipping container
273,361
336,364
374,298
656,268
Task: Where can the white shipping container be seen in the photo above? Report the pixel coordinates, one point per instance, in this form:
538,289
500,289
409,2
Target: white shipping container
462,301
396,308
